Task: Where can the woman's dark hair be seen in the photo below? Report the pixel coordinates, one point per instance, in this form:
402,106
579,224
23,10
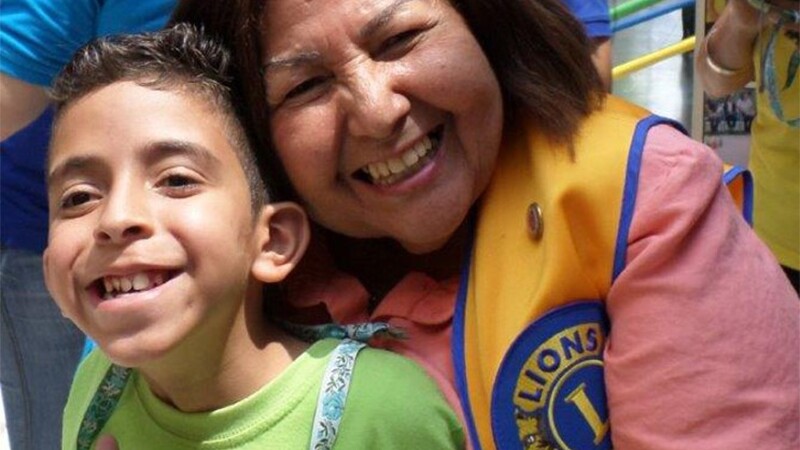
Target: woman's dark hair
542,59
537,49
181,58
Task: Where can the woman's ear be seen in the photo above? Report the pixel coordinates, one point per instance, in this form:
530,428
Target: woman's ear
282,235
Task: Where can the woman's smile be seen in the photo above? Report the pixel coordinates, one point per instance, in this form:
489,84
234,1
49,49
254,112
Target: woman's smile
405,166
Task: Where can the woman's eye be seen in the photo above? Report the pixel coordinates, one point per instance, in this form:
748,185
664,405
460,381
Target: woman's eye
398,44
306,87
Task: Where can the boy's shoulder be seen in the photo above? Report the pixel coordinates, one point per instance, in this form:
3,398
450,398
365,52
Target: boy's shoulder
393,403
90,373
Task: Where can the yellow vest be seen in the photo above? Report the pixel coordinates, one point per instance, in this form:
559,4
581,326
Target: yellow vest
530,327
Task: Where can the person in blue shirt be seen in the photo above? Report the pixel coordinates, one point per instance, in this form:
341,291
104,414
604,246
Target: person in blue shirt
596,20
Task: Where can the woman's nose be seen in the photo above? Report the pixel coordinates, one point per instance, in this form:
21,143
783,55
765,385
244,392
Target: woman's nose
377,109
126,217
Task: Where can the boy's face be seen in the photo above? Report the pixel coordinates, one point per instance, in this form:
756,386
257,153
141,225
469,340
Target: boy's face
151,229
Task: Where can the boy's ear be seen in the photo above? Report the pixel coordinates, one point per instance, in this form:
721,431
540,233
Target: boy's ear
282,235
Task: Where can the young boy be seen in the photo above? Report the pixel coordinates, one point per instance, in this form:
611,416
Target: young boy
161,236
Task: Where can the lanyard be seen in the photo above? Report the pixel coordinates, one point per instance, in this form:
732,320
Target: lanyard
769,79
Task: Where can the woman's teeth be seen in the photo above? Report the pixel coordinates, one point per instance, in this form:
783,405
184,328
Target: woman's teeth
396,169
115,286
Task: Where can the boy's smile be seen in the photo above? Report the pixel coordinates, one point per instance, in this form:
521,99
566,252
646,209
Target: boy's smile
141,284
116,286
152,235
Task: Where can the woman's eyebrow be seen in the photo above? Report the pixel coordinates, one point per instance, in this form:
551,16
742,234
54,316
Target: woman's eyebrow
380,20
310,58
305,58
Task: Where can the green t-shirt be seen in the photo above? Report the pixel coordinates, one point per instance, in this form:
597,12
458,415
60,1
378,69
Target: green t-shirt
392,404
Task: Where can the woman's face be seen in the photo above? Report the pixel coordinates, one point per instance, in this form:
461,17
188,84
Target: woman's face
385,113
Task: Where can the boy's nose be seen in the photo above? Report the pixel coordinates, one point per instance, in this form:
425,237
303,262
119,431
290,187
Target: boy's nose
125,218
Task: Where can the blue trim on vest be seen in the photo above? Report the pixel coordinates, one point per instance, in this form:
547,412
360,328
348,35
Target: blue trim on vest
632,186
458,346
747,184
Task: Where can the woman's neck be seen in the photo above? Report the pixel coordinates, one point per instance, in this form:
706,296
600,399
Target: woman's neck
381,263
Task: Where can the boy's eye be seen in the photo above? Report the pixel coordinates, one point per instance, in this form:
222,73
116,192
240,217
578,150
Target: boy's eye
76,199
179,183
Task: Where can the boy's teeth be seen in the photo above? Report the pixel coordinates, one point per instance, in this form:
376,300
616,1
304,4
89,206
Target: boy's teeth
140,281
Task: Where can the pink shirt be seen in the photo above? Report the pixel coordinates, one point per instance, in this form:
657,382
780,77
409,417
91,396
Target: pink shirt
705,345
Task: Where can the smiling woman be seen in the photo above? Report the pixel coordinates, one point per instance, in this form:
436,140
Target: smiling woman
396,90
555,255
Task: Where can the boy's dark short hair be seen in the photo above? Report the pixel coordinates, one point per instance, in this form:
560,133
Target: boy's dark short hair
181,58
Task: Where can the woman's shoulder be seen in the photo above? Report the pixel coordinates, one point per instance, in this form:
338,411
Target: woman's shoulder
672,158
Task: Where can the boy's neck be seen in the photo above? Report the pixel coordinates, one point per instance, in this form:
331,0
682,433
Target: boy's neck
211,372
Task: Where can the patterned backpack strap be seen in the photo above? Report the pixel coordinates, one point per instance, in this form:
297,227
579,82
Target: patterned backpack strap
102,405
338,373
361,332
333,394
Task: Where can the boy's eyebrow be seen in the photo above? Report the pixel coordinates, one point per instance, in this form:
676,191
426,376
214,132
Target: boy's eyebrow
73,164
370,28
153,152
158,150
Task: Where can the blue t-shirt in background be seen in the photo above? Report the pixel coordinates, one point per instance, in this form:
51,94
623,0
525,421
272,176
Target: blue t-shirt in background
37,39
23,197
594,15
